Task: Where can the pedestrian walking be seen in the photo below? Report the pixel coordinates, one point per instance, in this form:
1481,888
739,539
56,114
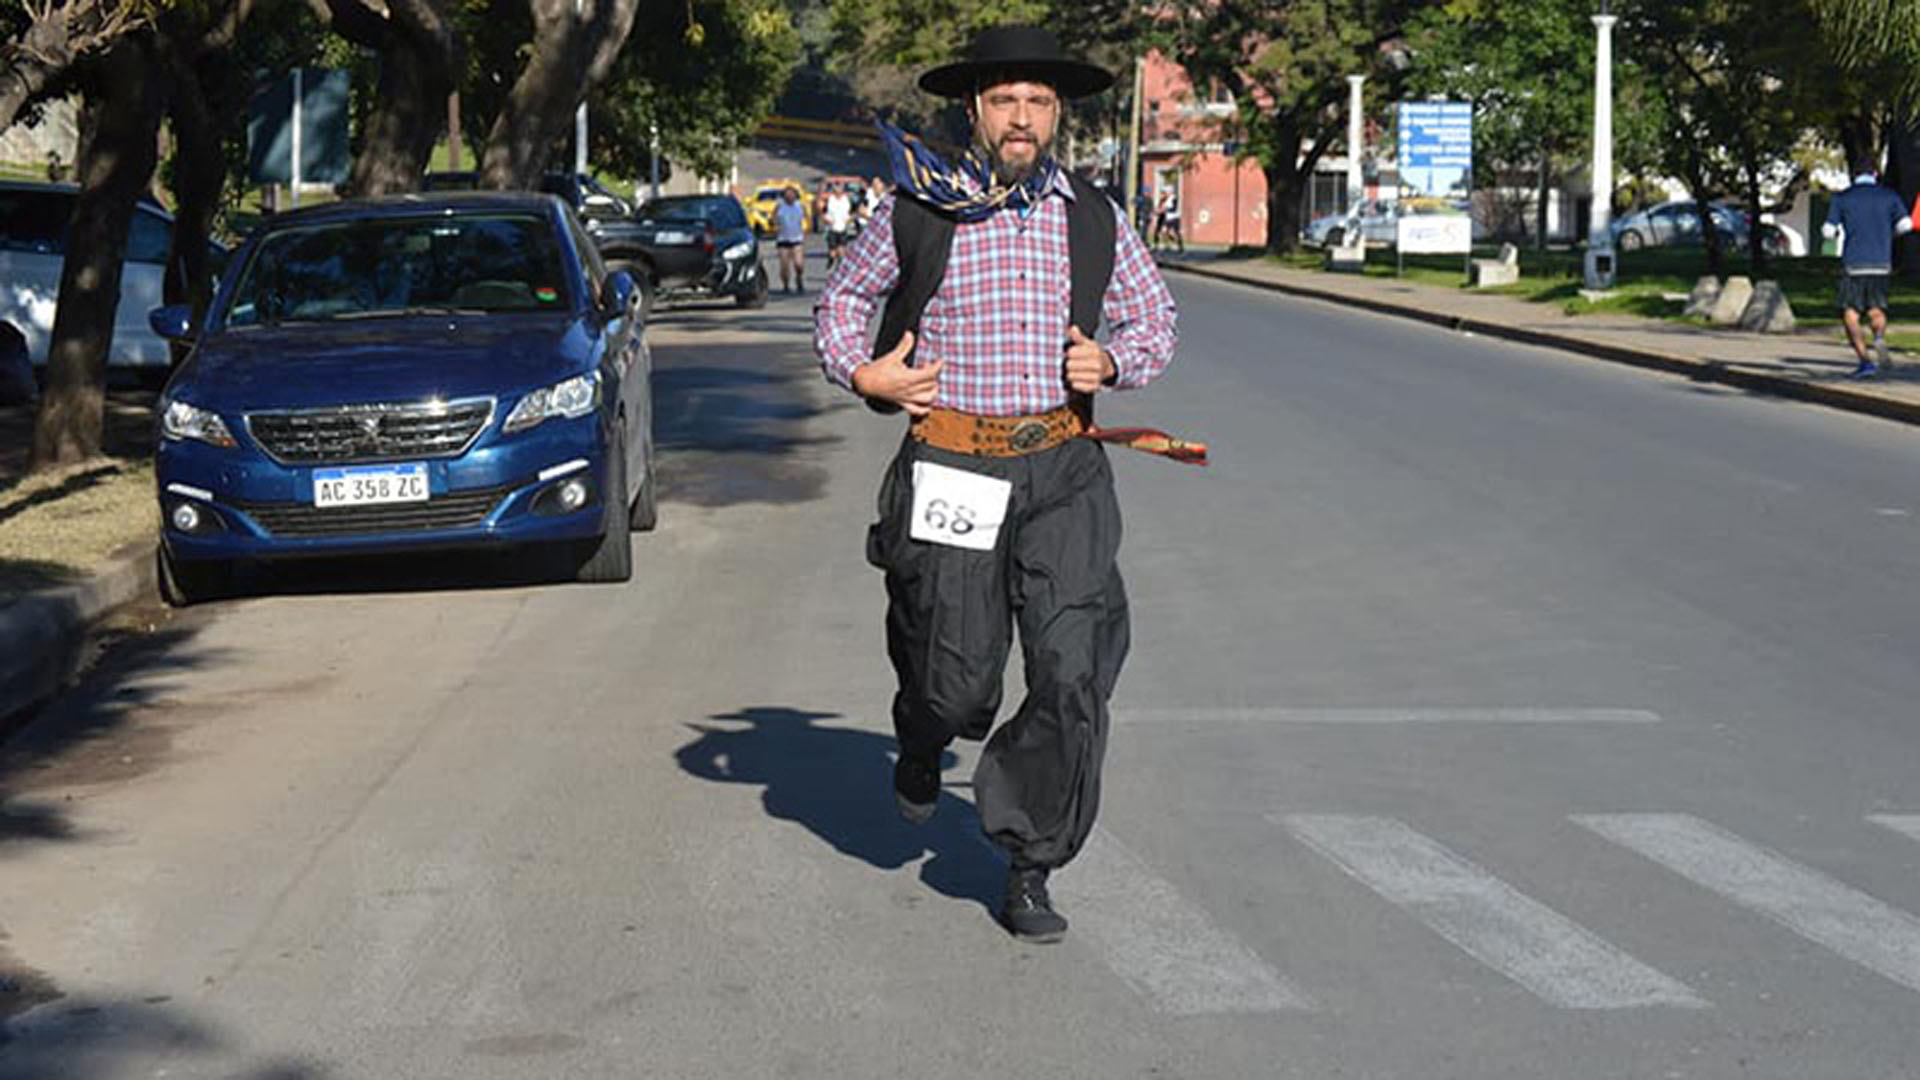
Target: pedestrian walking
999,511
790,237
1170,218
838,219
1870,216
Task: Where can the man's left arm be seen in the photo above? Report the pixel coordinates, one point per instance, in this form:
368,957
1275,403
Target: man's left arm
1139,313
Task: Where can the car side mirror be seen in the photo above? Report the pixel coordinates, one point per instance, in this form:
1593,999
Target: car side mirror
173,322
617,293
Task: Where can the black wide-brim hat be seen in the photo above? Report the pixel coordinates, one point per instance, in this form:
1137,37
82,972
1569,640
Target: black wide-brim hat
1011,53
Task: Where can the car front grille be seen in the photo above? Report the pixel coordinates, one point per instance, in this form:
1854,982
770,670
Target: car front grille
458,510
357,433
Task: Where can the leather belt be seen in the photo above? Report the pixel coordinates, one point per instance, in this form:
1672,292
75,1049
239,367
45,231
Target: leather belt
999,436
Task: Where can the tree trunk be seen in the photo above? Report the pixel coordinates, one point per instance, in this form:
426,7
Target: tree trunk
200,176
119,133
1904,170
1540,204
419,51
1287,176
405,123
571,54
1756,232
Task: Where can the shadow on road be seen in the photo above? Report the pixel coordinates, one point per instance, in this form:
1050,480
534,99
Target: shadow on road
111,726
736,432
837,782
81,1038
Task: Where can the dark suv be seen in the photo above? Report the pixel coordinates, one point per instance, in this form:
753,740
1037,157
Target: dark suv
700,246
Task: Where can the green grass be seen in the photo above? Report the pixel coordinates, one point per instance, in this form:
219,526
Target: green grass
1645,279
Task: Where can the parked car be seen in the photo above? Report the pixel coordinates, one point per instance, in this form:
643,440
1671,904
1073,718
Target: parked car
1376,219
700,246
33,250
767,196
1677,223
413,372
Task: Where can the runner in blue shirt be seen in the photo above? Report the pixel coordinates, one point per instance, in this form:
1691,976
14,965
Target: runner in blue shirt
789,235
1871,216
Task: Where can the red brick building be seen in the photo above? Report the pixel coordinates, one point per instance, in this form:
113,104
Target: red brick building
1183,137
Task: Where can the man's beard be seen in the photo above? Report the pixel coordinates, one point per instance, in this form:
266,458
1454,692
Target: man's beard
1008,173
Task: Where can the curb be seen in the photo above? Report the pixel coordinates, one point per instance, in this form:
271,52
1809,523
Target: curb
1713,371
41,633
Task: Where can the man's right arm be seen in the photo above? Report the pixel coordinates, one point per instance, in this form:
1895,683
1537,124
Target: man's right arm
868,271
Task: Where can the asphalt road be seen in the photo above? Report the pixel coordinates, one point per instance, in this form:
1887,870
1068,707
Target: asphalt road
1492,713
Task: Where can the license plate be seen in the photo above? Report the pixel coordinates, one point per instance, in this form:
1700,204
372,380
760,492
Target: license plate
367,485
673,238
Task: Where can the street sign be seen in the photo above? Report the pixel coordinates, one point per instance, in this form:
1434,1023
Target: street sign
1436,178
321,116
1436,147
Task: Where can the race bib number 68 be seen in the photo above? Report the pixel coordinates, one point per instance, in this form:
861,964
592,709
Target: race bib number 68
956,507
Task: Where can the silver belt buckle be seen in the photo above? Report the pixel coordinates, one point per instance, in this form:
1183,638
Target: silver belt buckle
1027,436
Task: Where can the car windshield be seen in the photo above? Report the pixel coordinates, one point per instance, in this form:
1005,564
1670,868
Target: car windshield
375,267
706,211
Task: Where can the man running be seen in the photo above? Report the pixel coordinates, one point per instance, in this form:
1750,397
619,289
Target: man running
839,224
1870,216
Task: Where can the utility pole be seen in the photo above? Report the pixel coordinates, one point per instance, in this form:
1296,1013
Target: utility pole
1600,268
1356,141
1133,138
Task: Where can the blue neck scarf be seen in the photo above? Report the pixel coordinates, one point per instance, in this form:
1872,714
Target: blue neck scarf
925,175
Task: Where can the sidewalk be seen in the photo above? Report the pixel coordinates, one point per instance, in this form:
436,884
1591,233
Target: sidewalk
1810,366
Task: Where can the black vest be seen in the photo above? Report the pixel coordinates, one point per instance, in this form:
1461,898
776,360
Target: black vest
923,237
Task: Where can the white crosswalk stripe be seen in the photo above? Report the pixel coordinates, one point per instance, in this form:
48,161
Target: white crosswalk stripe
1908,824
1164,946
1857,926
1501,927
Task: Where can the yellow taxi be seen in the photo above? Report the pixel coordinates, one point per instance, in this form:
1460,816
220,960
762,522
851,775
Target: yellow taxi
766,196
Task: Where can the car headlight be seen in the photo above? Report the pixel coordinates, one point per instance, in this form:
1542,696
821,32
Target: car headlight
569,398
737,251
180,420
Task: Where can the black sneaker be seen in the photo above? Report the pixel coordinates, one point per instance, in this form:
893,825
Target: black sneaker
916,787
1028,912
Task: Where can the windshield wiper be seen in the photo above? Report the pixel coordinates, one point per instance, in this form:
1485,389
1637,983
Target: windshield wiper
418,309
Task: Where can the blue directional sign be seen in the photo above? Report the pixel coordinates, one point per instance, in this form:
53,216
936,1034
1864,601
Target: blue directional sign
1436,178
1436,147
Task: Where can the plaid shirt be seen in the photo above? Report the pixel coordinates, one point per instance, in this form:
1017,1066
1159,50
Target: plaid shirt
999,319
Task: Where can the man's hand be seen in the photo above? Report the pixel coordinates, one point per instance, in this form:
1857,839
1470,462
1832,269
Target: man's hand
1088,365
888,378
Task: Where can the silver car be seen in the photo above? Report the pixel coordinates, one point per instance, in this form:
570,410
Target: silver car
33,245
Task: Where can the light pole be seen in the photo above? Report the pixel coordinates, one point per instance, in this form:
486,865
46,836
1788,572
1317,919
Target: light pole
579,118
1356,135
1600,260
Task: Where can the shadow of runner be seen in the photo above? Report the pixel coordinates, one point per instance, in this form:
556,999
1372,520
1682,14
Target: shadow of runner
838,783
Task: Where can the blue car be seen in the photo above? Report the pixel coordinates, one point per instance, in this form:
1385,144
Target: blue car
408,373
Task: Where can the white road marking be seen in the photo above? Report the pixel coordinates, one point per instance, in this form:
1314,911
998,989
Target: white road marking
1164,946
1857,926
1386,716
1493,922
1890,511
1900,823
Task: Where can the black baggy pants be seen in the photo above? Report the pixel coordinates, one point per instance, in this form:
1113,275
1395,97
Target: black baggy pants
950,617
